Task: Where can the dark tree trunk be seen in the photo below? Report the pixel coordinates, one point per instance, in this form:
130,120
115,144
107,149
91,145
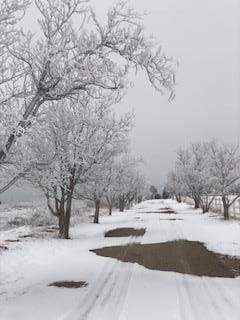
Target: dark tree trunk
205,209
65,211
110,209
109,202
178,197
196,203
121,205
97,211
61,220
68,215
225,208
31,109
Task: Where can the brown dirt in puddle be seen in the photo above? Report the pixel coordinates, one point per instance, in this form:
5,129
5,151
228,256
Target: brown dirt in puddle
172,219
69,284
125,232
182,256
3,247
168,211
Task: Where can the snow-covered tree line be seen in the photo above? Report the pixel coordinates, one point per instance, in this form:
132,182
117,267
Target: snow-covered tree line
204,171
57,89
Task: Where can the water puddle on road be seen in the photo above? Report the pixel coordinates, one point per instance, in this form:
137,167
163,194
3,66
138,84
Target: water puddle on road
171,219
69,284
125,232
168,211
182,256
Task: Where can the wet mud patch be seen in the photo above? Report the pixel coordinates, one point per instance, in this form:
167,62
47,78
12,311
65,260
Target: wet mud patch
172,219
3,248
182,256
168,211
27,236
164,211
125,232
69,284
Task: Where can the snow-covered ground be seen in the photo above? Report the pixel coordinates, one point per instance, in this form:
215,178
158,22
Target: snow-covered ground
118,290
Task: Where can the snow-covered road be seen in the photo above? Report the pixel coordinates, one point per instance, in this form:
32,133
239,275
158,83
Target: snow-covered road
119,290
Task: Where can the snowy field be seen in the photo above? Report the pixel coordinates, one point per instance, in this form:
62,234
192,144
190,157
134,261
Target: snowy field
117,290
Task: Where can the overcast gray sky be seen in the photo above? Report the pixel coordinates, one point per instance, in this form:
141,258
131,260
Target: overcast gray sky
204,36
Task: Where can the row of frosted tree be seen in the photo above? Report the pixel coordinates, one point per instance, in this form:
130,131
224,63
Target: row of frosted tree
204,171
58,87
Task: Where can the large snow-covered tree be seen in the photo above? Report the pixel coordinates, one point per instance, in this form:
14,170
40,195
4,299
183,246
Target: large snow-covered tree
175,184
66,58
128,181
72,140
193,163
99,181
225,170
205,170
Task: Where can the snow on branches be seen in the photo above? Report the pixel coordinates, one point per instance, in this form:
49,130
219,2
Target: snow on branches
205,170
63,59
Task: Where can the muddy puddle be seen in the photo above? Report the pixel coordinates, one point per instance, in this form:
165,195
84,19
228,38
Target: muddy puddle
3,248
69,284
125,232
182,256
163,211
172,219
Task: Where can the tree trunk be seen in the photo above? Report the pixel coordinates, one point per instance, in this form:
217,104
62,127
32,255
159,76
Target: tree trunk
178,197
204,209
196,203
121,205
204,206
109,202
61,221
225,208
22,125
97,210
64,214
68,215
110,209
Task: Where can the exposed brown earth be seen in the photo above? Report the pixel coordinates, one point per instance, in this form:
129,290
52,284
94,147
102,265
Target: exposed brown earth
3,247
182,256
27,236
69,284
172,219
125,232
160,211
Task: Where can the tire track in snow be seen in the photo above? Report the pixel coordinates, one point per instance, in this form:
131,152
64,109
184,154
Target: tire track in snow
208,288
108,292
186,311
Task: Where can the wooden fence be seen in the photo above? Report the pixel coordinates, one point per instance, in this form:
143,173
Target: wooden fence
217,206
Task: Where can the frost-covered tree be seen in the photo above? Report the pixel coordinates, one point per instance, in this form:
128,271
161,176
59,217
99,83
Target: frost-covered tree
175,184
73,53
129,182
194,166
153,191
206,170
98,183
225,170
11,12
71,141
